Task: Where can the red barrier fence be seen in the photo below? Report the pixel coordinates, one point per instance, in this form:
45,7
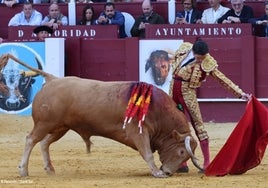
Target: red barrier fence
201,30
25,33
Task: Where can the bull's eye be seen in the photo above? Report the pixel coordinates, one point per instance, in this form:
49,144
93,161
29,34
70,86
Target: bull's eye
181,152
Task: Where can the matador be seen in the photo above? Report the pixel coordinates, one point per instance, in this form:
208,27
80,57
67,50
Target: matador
187,78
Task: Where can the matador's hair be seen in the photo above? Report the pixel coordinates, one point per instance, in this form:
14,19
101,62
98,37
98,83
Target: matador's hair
200,47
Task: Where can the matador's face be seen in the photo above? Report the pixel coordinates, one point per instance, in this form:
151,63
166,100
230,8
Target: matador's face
199,58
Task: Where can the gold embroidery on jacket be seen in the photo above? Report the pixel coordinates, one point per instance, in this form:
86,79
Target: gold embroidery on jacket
227,83
209,64
181,54
195,77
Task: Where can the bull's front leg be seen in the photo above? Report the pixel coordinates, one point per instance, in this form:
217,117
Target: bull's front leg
142,143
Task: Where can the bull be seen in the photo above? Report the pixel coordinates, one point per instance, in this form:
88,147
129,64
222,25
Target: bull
96,108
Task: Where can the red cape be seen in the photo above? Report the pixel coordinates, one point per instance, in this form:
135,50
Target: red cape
246,145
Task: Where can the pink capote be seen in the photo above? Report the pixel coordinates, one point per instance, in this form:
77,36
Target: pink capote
246,145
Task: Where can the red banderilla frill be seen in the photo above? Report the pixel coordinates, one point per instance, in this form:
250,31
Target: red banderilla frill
138,103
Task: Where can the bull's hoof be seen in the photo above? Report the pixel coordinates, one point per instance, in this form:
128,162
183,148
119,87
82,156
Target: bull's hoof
160,174
23,172
184,169
50,171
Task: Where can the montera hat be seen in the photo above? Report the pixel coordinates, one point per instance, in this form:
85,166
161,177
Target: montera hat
43,28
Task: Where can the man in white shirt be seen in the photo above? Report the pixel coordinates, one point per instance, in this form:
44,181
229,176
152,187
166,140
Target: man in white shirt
28,16
211,15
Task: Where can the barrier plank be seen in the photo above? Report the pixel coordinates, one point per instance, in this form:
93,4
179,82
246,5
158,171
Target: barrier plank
25,33
168,31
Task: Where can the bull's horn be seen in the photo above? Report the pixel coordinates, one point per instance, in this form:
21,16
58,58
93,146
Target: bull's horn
189,150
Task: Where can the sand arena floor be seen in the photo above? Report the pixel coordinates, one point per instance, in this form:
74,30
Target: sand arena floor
110,164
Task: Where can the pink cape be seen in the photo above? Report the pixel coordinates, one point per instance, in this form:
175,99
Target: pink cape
246,145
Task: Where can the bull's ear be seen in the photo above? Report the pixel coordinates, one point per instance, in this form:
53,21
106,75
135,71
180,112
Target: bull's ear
176,135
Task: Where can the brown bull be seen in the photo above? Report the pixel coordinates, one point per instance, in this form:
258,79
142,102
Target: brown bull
95,108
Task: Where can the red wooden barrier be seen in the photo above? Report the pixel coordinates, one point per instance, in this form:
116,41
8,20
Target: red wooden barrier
197,30
25,33
110,60
260,62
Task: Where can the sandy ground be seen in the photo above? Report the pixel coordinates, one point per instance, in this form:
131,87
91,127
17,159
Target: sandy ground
110,164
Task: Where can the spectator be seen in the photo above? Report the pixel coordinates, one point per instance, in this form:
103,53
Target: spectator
9,3
211,15
1,40
112,17
55,18
262,21
99,1
28,16
87,16
189,14
43,32
148,17
51,1
83,1
239,13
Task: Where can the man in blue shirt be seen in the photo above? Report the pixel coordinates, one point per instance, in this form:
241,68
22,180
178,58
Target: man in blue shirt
113,17
28,16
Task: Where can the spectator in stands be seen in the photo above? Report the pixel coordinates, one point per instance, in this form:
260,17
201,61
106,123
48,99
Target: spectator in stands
84,1
239,13
263,21
9,3
55,18
211,15
87,16
189,15
110,16
28,16
43,32
99,1
148,17
1,40
52,1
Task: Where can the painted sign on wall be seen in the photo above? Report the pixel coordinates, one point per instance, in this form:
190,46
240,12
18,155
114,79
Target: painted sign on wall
21,83
155,61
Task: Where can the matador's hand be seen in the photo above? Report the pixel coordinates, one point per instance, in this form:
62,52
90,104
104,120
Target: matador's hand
246,96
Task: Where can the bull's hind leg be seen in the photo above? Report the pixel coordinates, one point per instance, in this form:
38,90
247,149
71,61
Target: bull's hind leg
37,134
45,143
30,143
86,137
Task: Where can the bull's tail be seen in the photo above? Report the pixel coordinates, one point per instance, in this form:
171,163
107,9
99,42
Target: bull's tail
39,71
